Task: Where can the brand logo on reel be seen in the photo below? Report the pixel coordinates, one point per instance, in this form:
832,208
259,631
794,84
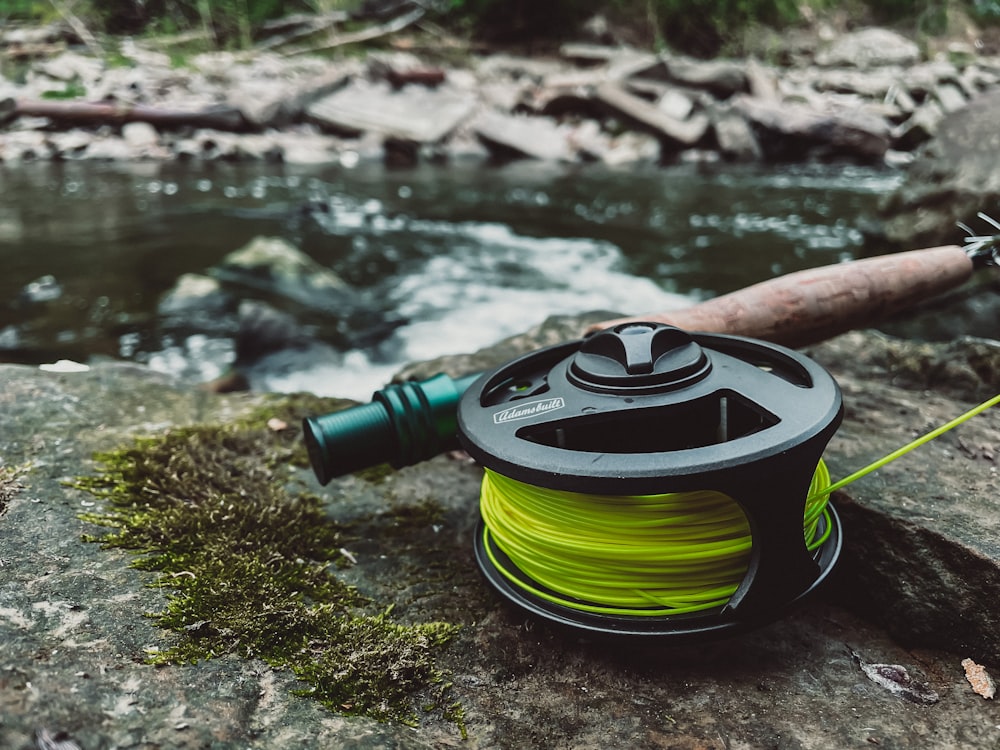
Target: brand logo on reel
530,409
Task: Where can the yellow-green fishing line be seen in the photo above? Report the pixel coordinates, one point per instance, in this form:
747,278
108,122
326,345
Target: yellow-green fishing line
648,555
936,432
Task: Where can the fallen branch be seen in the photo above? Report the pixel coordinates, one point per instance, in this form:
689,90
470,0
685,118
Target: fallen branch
115,113
445,39
79,28
302,27
32,51
177,40
373,32
815,304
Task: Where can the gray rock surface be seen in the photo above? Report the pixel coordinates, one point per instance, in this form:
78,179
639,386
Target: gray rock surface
954,176
538,137
914,595
867,48
922,560
793,131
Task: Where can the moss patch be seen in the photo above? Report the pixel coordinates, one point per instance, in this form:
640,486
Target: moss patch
250,566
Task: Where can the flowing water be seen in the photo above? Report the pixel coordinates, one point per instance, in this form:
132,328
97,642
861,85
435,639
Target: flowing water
446,259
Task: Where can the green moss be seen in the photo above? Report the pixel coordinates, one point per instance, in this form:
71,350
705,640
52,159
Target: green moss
250,566
345,676
375,474
420,516
290,409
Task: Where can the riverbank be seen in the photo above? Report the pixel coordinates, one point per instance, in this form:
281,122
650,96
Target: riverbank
871,95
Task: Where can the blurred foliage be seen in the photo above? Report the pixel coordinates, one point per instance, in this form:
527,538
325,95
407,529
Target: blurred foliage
986,10
927,16
36,10
706,26
507,20
229,22
19,8
700,27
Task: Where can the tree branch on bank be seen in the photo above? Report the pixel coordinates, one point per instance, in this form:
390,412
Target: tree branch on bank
364,35
115,113
168,41
294,28
79,28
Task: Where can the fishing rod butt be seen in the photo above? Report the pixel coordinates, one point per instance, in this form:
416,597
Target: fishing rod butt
345,441
404,423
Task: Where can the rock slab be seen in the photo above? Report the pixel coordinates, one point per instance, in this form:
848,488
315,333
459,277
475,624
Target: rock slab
74,634
954,176
412,113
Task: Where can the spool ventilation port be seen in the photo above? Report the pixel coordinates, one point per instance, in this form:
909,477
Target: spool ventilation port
713,419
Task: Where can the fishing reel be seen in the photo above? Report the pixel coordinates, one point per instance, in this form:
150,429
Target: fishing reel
641,418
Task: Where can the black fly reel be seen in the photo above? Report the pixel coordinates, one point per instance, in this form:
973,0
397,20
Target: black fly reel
645,408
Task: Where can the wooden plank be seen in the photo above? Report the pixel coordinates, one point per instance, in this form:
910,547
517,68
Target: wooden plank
537,137
274,104
685,132
413,113
221,117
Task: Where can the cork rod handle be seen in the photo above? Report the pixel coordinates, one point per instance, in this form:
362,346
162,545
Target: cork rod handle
808,306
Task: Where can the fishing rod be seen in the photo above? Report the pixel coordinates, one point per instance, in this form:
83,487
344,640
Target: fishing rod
816,304
409,422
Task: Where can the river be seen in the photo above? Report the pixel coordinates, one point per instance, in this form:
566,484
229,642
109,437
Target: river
448,259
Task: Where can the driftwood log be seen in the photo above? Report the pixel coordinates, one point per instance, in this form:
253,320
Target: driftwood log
115,113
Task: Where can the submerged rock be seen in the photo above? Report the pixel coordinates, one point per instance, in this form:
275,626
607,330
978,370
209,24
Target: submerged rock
43,289
264,331
272,265
194,293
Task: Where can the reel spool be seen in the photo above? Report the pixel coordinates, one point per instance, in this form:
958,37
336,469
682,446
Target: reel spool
646,408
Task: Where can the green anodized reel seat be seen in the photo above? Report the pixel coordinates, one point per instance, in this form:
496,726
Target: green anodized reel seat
404,423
